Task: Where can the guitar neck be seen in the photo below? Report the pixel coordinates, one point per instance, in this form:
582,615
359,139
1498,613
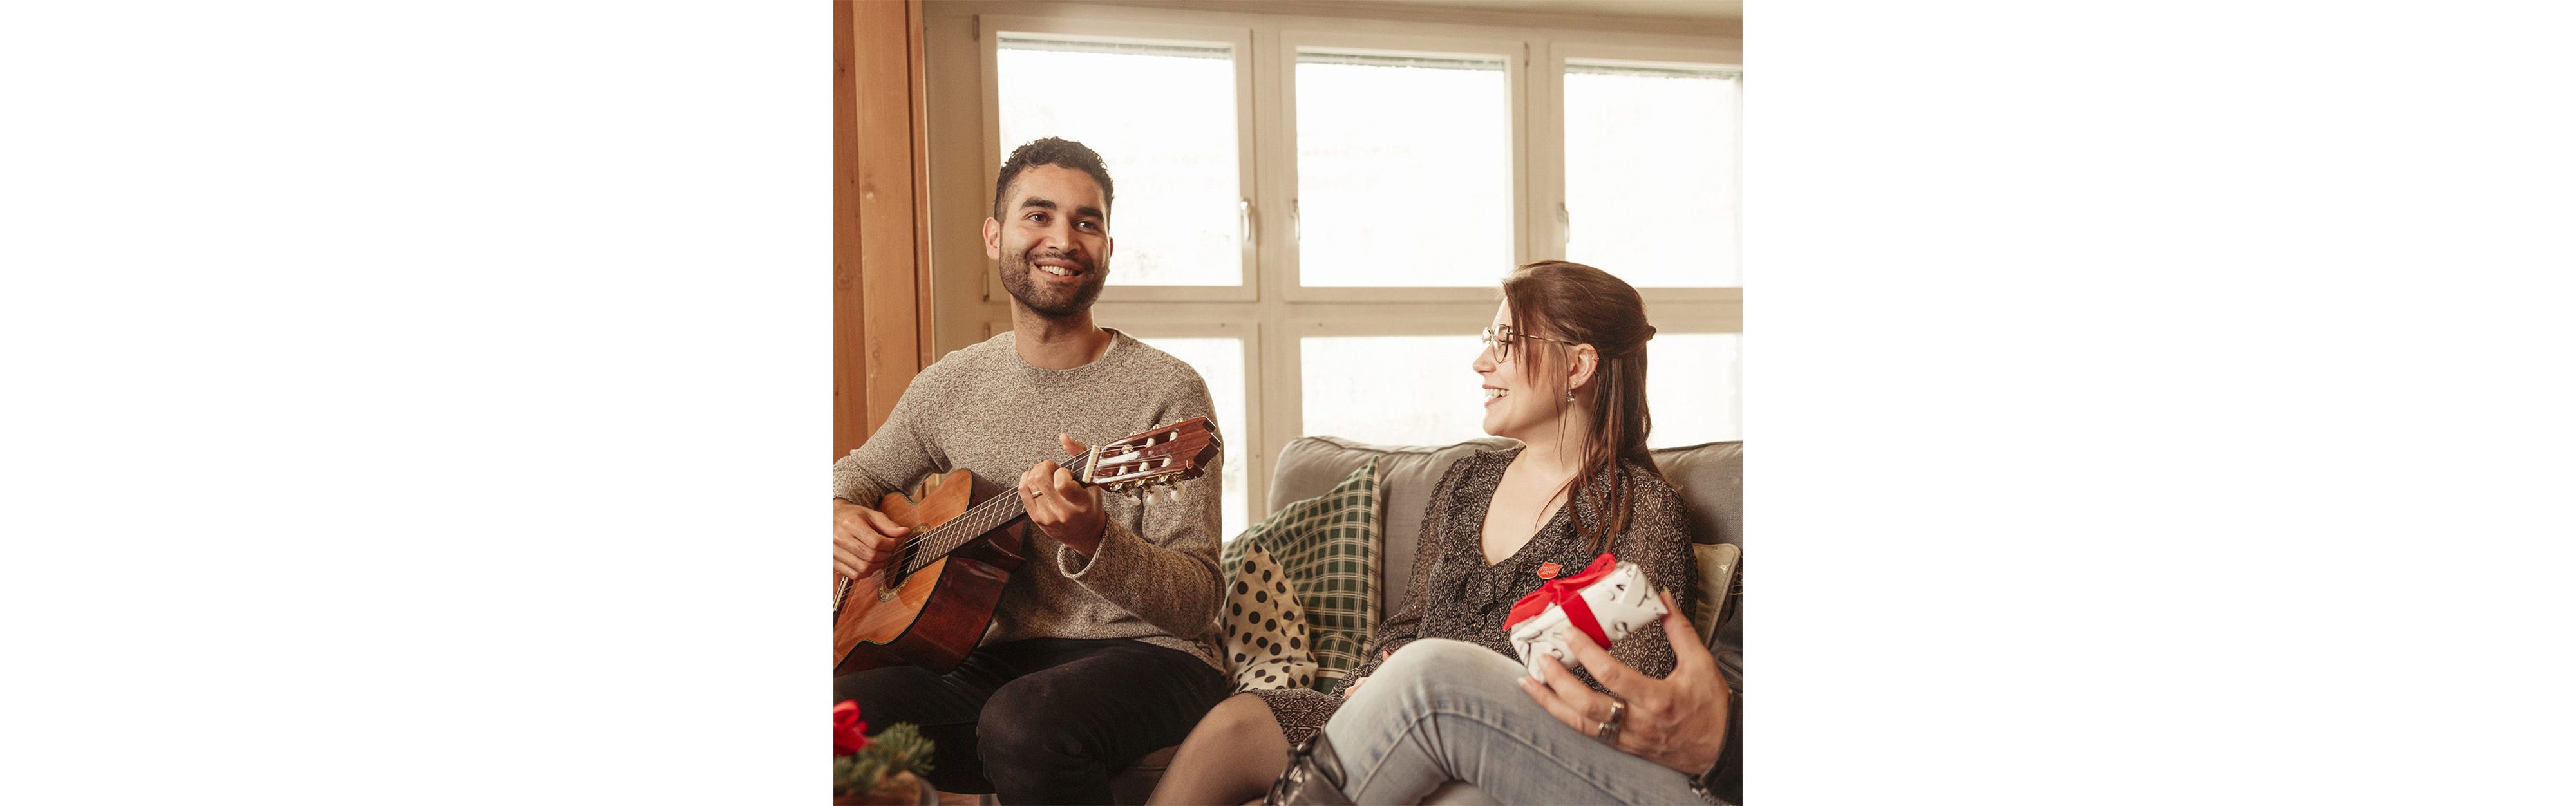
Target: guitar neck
996,512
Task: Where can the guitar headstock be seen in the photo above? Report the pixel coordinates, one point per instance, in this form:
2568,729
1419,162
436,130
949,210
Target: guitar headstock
1156,459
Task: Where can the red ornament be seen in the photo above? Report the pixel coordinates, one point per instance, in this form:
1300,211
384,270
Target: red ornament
848,733
1549,570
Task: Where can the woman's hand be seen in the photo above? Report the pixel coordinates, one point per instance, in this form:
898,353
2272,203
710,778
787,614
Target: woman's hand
1678,722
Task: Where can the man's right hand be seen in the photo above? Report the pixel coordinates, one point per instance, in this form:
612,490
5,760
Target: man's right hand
863,540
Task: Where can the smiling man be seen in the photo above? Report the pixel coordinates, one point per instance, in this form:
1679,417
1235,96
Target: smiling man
1103,646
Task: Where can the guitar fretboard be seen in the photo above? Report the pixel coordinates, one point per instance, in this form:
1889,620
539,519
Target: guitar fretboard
994,513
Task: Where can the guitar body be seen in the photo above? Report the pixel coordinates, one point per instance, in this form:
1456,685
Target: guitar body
933,616
963,549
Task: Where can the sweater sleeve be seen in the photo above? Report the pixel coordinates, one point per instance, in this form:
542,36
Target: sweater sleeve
1157,559
899,453
1405,624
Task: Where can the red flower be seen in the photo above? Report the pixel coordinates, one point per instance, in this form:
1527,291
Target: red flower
848,733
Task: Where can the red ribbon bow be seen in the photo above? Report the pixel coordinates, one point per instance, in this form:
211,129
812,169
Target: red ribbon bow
1567,592
848,733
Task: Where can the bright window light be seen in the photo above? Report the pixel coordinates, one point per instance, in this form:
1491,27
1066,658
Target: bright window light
1220,363
1393,390
1162,118
1404,171
1692,382
1650,173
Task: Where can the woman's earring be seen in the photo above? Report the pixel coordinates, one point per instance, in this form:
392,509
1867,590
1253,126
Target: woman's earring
1569,395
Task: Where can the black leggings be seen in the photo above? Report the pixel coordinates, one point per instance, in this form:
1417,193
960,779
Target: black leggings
1046,720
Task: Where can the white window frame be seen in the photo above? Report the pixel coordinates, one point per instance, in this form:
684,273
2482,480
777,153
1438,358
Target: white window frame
1558,52
1269,311
1515,56
1241,442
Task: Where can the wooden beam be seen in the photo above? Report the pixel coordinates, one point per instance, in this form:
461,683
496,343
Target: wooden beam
915,14
880,279
849,368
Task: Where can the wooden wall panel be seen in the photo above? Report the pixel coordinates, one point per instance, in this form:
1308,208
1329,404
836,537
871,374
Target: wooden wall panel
880,278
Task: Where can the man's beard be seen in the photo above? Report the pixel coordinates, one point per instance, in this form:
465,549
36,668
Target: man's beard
1052,304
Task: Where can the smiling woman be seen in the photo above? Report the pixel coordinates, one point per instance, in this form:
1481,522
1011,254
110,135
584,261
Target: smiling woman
1564,374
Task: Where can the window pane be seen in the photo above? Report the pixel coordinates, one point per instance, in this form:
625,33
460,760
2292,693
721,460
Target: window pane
1650,180
1404,171
1421,390
1693,383
1393,390
1220,363
1162,118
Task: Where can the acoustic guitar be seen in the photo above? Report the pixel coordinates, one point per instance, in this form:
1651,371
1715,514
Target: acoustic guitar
932,603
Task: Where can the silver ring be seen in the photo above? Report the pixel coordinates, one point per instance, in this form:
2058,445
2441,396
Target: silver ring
1609,731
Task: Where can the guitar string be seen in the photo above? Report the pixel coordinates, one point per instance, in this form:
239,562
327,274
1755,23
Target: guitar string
977,516
973,515
982,517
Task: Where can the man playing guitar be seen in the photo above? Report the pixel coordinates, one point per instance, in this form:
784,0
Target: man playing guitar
1103,646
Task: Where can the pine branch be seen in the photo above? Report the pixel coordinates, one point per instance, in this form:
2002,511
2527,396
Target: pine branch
899,748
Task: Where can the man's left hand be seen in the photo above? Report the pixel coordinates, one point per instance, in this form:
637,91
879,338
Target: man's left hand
1678,722
1064,510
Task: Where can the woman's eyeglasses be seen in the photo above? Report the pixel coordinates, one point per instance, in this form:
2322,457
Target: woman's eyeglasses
1499,340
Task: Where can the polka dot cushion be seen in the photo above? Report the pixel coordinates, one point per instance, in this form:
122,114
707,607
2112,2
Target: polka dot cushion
1327,545
1265,631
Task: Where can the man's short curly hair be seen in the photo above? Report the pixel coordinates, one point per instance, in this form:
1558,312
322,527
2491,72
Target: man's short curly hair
1055,151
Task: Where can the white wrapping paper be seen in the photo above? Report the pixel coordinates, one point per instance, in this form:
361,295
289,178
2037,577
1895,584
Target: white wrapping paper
1623,602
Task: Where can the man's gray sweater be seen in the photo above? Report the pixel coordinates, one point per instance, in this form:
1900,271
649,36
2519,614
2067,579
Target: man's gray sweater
1154,578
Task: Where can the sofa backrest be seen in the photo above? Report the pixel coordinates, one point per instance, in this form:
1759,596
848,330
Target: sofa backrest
1710,478
1310,466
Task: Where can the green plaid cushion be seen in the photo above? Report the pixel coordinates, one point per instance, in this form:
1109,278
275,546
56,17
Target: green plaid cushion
1328,547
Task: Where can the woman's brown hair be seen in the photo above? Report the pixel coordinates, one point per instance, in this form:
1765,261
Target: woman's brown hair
1582,304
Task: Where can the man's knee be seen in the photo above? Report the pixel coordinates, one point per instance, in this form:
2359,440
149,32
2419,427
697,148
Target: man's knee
1032,715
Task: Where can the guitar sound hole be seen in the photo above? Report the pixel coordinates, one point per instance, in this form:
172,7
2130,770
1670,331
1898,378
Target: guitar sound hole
894,577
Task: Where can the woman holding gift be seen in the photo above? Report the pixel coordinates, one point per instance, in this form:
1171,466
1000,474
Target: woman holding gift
1564,373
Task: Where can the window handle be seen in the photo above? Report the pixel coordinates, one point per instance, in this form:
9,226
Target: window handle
1251,231
1296,224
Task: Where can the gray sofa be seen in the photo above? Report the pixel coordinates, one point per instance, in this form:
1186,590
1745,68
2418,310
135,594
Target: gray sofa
1710,478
